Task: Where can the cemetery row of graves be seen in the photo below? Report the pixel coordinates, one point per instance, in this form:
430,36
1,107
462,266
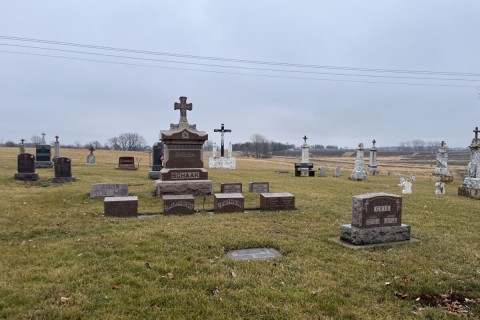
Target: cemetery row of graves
246,239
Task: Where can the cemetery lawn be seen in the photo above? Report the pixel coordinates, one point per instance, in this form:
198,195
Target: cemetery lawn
62,259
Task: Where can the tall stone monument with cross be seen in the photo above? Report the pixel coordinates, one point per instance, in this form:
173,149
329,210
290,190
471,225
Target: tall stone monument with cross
304,168
359,173
183,171
441,167
222,162
372,164
471,182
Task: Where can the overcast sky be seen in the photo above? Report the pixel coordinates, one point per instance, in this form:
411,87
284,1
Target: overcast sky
86,100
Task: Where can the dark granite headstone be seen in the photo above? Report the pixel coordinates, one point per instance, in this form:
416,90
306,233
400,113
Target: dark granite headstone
228,202
258,187
121,206
231,187
126,163
63,170
304,169
178,204
376,218
277,201
26,167
43,157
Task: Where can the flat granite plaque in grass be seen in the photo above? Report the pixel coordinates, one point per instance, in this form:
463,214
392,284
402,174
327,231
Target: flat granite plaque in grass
228,202
254,254
178,204
102,190
121,207
258,187
277,201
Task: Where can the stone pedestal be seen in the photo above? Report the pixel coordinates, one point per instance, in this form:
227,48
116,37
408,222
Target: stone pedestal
359,236
359,173
228,202
304,169
121,206
26,176
195,187
178,204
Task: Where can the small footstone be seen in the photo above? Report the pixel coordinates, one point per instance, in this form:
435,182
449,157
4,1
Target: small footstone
254,254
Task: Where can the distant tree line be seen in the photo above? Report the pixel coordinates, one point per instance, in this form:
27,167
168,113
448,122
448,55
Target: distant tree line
418,145
260,147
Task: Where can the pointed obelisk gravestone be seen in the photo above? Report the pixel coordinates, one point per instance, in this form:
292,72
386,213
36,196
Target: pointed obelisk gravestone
471,183
222,162
183,171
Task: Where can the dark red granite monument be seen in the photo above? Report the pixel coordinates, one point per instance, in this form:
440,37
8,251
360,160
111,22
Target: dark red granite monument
183,171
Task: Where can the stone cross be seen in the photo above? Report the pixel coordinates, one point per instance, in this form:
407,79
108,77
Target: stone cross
91,149
56,138
222,130
43,138
476,132
373,141
305,138
183,106
23,140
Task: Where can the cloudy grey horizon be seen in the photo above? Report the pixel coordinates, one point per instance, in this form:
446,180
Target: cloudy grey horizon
340,72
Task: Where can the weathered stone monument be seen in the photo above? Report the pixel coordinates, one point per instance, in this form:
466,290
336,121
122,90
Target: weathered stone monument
337,172
304,168
322,172
439,188
108,189
376,218
372,164
43,158
22,146
183,171
126,163
26,167
406,186
471,182
63,170
222,162
441,168
91,156
56,148
157,161
359,173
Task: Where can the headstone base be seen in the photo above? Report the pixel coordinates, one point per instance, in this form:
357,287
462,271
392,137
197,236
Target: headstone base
121,206
154,175
190,174
360,236
126,167
222,163
43,164
194,187
63,179
26,176
465,191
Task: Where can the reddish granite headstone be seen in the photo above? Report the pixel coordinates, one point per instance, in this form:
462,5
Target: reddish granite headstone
126,163
231,187
228,202
63,170
26,167
258,187
178,204
121,206
277,201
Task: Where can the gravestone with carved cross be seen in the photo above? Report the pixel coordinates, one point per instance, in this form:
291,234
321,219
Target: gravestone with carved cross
223,162
471,183
372,164
304,168
222,130
183,171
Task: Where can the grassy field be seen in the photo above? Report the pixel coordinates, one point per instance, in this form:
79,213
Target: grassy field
62,259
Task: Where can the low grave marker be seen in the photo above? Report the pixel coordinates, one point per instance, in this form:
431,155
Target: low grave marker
258,187
126,163
178,204
229,203
234,187
277,201
121,207
102,190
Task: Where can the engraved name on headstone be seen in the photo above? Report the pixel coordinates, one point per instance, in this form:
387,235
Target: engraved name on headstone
277,201
231,187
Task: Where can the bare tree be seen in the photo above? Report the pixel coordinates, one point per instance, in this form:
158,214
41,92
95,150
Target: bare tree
127,142
95,144
36,139
260,146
